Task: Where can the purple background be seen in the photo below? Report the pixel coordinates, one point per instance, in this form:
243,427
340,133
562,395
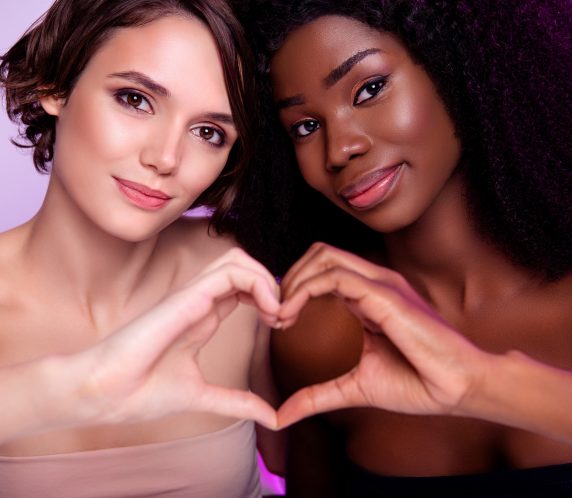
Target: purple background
21,188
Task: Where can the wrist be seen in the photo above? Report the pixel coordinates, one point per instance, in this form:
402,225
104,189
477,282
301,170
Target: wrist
33,398
64,394
502,389
481,382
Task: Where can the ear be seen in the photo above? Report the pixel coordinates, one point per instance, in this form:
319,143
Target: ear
52,104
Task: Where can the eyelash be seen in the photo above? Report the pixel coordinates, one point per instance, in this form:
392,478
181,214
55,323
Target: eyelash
373,87
122,95
219,136
294,129
221,140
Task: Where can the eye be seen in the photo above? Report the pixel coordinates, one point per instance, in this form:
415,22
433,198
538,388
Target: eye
210,134
134,100
369,90
304,128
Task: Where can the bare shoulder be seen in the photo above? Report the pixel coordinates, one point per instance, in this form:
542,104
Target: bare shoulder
550,304
16,291
324,343
193,244
197,233
10,265
559,293
537,321
553,318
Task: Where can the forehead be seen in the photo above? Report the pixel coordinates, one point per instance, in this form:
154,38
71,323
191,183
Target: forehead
314,49
177,51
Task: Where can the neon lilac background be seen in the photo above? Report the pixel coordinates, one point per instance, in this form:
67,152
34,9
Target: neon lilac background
21,187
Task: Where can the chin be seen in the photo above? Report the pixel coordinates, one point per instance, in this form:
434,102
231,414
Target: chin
133,232
384,223
138,227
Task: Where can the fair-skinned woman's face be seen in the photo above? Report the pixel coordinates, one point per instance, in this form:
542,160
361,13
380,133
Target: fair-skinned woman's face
146,129
369,129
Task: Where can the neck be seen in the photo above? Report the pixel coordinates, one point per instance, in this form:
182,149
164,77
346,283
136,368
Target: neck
84,264
448,261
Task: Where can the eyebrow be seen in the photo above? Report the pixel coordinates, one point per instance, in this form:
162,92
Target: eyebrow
153,86
220,116
333,77
290,101
345,67
143,80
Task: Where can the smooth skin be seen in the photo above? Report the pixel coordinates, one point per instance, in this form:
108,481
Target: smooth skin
433,370
467,354
150,368
109,306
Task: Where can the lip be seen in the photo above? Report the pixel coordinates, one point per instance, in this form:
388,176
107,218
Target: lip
372,188
141,195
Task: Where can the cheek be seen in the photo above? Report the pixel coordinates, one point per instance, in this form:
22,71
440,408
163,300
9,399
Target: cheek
200,171
115,137
422,126
93,134
411,118
414,107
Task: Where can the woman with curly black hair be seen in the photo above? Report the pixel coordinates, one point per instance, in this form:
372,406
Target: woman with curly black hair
437,137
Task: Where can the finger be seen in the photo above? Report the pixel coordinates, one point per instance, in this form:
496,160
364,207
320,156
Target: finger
342,392
294,270
264,290
238,404
239,257
151,334
424,338
341,281
372,300
269,319
321,258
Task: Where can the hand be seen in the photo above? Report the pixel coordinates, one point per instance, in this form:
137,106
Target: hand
125,378
412,361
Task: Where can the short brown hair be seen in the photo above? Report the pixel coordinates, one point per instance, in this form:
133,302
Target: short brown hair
49,58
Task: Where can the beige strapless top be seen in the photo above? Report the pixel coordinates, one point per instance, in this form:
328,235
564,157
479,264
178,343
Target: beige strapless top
221,464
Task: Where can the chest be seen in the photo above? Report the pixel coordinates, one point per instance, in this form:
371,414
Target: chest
327,342
413,445
46,330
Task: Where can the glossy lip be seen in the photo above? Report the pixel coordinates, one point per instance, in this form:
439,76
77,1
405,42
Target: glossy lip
142,196
372,188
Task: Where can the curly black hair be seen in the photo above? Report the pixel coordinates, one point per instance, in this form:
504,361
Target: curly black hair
504,72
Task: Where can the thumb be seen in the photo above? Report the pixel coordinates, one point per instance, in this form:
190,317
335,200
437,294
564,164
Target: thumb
238,404
342,392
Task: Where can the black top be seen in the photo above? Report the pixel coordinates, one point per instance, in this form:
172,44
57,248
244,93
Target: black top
554,481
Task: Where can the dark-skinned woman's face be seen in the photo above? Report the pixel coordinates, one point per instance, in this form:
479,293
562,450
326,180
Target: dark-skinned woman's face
369,129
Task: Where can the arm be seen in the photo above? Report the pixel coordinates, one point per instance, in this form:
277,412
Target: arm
35,398
123,378
434,369
521,392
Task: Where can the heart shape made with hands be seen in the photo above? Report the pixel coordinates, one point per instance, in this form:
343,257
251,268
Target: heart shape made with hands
336,361
410,361
396,353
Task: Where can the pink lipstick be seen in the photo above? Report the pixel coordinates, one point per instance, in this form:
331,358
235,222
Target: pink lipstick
372,188
142,196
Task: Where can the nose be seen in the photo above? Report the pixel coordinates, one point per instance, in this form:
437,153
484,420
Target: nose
345,142
163,149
